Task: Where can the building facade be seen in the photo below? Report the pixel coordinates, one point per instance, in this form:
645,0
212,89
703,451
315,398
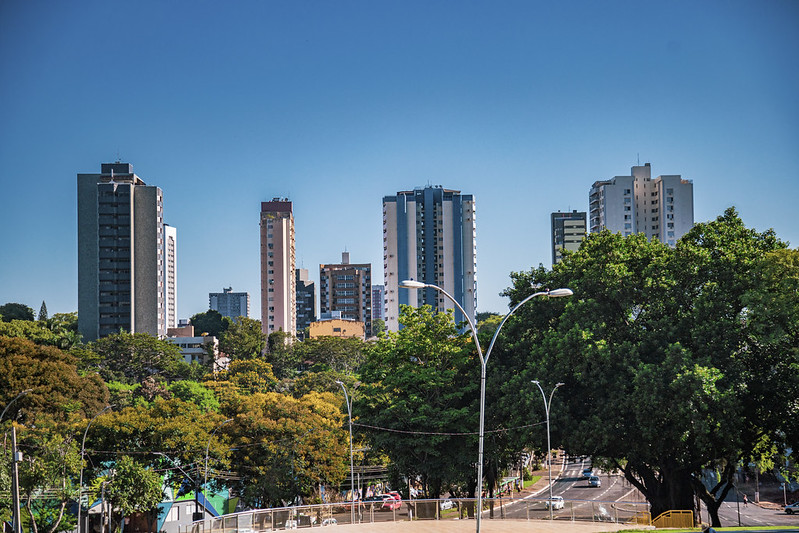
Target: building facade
429,235
306,302
378,302
332,324
278,278
662,208
170,254
230,304
126,257
347,288
568,232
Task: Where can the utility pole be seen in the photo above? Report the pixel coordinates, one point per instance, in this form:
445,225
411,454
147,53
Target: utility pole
15,459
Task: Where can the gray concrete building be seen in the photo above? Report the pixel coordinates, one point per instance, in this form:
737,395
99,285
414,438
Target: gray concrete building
568,232
230,304
123,264
306,302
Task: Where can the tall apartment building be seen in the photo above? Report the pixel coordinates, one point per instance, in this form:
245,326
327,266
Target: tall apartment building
429,235
306,302
126,255
661,208
230,304
170,254
347,288
278,281
378,302
568,232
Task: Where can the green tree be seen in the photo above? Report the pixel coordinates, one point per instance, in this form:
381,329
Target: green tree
50,465
15,311
662,373
134,488
40,333
282,356
210,323
249,375
129,358
378,327
243,339
196,393
284,447
335,353
43,312
57,388
419,392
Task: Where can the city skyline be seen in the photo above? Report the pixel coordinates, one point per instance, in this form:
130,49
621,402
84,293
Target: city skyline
333,106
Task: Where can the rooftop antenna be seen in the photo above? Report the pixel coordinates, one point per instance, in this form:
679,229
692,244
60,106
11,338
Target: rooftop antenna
639,159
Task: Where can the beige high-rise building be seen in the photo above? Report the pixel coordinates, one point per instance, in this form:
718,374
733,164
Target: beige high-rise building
278,281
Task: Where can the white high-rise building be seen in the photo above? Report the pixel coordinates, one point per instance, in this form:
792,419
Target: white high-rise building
429,235
170,276
661,208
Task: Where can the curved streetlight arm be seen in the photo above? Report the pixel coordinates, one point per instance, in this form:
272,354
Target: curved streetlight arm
411,284
208,447
82,451
17,397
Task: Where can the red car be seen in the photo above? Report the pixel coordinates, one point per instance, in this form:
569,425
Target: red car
391,501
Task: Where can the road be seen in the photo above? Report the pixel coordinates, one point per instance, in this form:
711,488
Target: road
751,515
615,498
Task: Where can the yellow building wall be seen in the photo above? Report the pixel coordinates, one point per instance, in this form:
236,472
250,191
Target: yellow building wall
337,328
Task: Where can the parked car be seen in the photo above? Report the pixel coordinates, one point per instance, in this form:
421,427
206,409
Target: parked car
447,504
329,522
390,502
594,481
587,472
556,502
792,508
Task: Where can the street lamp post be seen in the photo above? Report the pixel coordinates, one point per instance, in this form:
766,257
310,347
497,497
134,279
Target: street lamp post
352,463
547,405
82,451
207,448
411,284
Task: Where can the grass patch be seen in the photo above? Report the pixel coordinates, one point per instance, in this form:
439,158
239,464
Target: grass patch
532,481
698,530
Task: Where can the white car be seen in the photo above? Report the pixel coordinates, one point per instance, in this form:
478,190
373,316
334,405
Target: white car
594,481
557,503
447,504
792,508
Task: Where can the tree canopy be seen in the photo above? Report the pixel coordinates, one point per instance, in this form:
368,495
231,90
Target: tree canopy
664,357
419,394
16,311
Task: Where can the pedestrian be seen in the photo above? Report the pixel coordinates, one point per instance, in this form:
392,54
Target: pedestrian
746,500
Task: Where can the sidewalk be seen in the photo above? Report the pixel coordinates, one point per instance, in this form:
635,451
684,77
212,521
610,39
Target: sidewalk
487,526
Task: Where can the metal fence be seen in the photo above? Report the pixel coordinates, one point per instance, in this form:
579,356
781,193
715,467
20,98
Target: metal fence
311,516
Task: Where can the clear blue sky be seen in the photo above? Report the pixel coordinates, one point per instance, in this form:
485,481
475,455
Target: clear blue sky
336,104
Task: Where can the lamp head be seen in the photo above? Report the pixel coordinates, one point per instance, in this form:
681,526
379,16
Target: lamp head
535,381
412,284
558,293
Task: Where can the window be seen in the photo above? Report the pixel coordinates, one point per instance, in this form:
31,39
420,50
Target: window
628,191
